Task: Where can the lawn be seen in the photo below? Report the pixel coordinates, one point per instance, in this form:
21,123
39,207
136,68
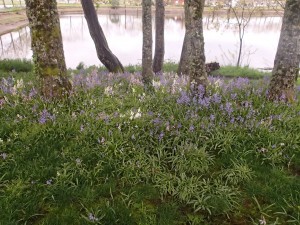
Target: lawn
113,154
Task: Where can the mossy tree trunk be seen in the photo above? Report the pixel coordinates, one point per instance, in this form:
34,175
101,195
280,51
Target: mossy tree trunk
286,64
192,61
109,60
47,47
147,72
159,36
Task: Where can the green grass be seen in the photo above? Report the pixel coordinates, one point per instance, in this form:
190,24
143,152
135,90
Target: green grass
16,65
233,71
112,154
169,66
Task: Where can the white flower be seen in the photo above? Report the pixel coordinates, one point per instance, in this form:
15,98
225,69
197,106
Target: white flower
262,221
20,84
1,141
108,91
3,155
78,161
136,115
263,150
156,84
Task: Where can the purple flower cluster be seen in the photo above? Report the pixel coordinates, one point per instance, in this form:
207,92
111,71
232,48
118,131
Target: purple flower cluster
45,116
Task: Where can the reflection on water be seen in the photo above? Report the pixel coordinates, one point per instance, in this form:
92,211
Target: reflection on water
124,36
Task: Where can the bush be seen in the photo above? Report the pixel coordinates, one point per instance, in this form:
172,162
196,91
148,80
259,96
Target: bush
16,65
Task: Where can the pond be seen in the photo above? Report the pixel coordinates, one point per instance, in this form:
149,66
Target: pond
124,36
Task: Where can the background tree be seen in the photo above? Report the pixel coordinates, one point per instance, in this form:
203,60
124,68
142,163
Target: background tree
286,64
109,60
47,47
192,61
159,36
147,73
243,14
115,4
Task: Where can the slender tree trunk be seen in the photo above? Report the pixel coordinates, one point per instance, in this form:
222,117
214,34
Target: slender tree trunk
110,61
193,48
4,4
286,64
159,36
147,73
240,53
47,47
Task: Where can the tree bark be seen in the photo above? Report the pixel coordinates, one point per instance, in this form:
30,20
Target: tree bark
147,73
192,61
47,47
286,64
109,60
184,67
159,36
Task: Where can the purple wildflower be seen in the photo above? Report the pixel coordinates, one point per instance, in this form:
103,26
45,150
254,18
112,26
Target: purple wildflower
204,102
192,128
33,92
81,128
2,102
233,96
49,182
156,121
184,98
216,98
161,135
45,115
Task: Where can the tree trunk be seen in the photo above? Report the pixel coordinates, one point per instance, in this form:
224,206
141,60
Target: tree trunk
109,60
147,73
286,64
159,36
47,47
184,67
4,3
193,48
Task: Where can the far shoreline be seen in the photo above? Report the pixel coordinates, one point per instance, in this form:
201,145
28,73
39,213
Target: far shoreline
13,20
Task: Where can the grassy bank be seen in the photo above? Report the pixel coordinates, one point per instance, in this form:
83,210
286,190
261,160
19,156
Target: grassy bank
112,154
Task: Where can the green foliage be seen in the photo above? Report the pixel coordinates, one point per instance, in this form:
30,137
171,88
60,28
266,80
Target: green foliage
112,154
115,3
233,71
16,65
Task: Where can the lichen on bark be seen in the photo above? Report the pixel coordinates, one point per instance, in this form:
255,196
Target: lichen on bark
286,64
147,73
192,61
47,47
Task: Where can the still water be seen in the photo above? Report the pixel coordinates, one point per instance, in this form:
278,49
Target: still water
124,36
